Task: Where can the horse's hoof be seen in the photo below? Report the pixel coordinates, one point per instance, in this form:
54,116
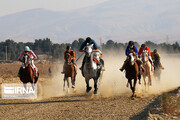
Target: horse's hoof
95,91
132,98
73,86
88,89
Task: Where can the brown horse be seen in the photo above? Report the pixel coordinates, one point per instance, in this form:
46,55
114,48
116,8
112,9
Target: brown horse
69,71
132,72
27,72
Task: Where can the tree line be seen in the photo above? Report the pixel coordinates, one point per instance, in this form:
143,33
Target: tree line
12,49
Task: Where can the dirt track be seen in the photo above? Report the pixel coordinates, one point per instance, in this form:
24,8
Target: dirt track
112,102
78,107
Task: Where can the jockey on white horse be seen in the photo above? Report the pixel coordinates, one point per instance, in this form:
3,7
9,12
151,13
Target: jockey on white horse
144,47
32,56
90,41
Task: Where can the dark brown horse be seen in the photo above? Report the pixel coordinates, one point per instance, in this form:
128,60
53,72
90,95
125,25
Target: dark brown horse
27,72
157,67
132,72
69,71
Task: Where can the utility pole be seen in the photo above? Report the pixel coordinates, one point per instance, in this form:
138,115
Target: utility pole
6,53
101,43
167,39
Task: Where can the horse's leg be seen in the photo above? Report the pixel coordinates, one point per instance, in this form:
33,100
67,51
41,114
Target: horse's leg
95,86
68,84
64,83
149,78
87,86
33,85
134,87
73,80
130,82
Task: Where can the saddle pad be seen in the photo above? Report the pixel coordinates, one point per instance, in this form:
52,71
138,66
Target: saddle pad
95,60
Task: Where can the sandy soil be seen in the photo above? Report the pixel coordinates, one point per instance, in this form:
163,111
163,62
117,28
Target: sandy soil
112,101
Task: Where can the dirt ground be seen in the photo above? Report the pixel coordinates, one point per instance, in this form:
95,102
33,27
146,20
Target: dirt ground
112,101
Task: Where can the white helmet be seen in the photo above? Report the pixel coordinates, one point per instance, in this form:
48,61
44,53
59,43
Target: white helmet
26,48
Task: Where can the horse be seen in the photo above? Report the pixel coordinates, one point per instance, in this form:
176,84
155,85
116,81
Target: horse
147,66
69,71
90,69
157,67
132,72
27,72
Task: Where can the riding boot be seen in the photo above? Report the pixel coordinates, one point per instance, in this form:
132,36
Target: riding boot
35,73
75,68
123,67
102,63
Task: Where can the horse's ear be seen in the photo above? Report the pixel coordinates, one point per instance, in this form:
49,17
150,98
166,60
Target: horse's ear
91,45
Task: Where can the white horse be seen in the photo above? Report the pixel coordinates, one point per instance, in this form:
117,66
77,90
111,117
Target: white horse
90,69
147,65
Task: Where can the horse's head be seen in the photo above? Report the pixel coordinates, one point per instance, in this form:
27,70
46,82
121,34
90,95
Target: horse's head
96,55
145,56
88,50
26,59
131,59
67,58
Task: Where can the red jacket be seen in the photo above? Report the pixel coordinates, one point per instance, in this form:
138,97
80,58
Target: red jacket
140,51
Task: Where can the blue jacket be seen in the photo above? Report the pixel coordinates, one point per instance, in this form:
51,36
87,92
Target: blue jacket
133,49
95,46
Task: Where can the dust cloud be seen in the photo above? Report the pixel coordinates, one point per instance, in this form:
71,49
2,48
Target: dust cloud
113,81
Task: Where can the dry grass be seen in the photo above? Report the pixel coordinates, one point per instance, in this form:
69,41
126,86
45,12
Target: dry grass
171,104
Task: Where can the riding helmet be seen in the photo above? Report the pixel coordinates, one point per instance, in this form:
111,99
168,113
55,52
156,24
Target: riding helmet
88,39
143,46
155,51
68,47
26,48
131,43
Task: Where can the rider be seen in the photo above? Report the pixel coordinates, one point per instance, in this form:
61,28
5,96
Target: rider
32,56
89,41
155,55
131,48
144,47
72,53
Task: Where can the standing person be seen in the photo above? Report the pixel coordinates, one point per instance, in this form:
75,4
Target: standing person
89,41
72,53
32,55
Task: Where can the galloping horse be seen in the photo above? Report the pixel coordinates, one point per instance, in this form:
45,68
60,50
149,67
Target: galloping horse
28,73
132,72
157,67
147,65
69,71
90,69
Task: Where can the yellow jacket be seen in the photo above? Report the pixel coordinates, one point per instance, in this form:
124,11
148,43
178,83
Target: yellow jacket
152,55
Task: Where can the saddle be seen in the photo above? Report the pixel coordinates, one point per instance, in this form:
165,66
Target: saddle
98,63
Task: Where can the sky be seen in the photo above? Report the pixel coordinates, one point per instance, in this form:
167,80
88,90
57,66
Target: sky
13,6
